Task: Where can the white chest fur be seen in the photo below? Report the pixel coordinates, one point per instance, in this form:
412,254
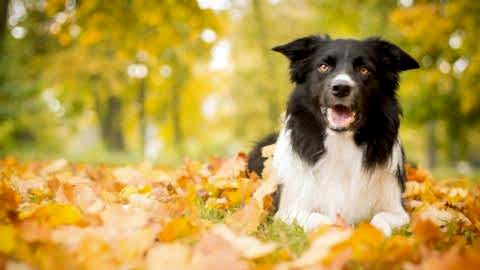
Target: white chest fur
336,184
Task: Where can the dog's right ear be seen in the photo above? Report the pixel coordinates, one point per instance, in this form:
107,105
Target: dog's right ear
302,47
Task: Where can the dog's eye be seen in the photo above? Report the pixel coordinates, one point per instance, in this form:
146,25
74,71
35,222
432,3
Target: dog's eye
364,71
323,68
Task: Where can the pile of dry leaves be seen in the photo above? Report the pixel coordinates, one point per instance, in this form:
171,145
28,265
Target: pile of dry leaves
59,215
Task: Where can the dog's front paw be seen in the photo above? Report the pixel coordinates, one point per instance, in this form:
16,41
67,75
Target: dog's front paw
316,219
387,221
380,223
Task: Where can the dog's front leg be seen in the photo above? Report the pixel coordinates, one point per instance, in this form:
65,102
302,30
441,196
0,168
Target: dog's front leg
387,221
390,212
311,220
308,220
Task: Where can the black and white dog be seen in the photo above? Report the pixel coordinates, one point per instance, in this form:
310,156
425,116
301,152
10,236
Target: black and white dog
338,151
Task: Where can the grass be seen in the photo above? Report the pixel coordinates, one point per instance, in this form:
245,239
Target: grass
212,214
290,238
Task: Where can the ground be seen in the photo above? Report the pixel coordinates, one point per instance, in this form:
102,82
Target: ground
61,215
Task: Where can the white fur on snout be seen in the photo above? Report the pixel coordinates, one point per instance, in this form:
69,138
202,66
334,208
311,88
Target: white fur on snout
343,78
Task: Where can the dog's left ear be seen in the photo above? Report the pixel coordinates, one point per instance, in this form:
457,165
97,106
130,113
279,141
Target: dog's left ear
393,56
301,48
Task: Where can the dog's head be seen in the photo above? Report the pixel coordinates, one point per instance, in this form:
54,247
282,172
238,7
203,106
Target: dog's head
343,78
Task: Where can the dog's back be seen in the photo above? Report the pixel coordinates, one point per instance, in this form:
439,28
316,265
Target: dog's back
255,158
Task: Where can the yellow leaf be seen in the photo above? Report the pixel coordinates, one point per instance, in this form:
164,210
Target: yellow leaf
54,214
267,151
177,228
135,244
7,238
365,240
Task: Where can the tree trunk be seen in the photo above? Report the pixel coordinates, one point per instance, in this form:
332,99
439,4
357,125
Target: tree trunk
3,19
457,140
175,106
431,144
142,115
109,115
113,120
176,118
3,32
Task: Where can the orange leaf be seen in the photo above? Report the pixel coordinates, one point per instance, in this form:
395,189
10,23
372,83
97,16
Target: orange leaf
177,228
426,231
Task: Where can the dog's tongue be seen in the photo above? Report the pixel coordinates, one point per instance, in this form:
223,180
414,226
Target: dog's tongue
340,117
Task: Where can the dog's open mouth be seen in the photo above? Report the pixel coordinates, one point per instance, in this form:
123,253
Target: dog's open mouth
340,117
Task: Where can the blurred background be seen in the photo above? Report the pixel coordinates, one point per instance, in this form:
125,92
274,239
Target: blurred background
132,80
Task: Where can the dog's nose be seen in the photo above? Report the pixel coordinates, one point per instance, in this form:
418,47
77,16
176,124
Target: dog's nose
341,89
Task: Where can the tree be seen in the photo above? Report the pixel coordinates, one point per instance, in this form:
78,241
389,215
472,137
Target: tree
93,46
446,92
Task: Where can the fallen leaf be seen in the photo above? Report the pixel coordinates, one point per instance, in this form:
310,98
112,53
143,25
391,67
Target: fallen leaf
55,166
214,252
266,188
321,247
129,176
168,256
131,247
53,214
87,199
8,238
249,247
177,228
426,231
247,219
365,240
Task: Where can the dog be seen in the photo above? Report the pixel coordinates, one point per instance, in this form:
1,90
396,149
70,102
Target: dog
338,152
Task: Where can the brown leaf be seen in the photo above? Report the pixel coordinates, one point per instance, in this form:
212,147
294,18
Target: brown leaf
454,259
416,174
248,246
231,168
129,176
213,252
321,247
266,188
247,219
426,231
168,256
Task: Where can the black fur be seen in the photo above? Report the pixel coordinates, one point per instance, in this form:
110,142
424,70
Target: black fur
255,158
401,175
307,126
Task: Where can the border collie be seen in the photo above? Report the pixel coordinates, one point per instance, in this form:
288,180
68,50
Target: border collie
338,150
